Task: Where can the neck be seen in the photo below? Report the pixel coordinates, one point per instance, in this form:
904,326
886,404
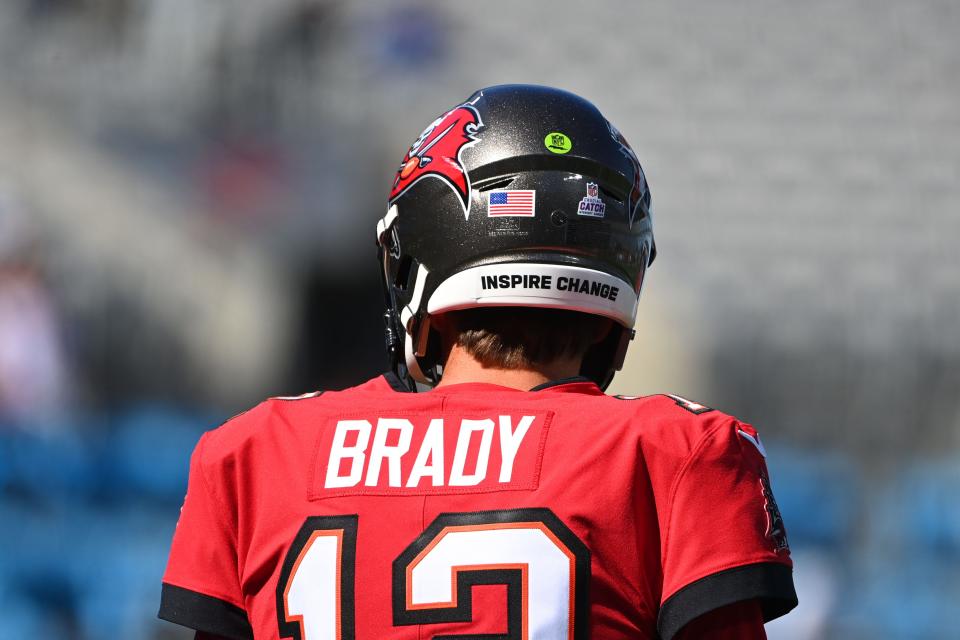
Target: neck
461,367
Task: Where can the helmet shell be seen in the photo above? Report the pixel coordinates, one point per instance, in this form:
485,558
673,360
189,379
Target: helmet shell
521,195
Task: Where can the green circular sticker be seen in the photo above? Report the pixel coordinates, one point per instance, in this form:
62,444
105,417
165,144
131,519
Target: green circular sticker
558,142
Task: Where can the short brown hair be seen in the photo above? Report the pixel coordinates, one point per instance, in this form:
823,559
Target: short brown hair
514,337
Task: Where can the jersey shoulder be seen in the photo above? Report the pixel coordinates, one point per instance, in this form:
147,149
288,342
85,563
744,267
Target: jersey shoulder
667,401
672,422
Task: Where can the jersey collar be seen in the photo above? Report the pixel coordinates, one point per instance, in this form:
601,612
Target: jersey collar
395,383
563,381
573,384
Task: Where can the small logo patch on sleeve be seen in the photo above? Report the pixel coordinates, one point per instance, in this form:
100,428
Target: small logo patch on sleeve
776,532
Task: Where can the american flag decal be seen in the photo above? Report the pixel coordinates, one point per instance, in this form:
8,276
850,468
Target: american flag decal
514,202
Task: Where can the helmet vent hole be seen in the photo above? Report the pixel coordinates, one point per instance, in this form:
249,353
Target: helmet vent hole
496,183
611,194
404,269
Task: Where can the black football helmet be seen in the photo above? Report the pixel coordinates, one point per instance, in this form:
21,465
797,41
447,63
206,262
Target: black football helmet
520,196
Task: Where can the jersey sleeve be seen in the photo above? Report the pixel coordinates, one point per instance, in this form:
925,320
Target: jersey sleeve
201,587
723,540
738,621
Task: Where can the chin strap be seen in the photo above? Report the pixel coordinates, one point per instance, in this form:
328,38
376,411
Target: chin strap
394,338
394,335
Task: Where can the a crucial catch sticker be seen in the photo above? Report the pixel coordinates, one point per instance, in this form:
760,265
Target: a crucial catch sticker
542,285
591,205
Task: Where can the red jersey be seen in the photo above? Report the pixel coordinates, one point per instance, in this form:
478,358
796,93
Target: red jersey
474,510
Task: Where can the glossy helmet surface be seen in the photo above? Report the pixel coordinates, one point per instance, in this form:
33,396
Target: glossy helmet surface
520,196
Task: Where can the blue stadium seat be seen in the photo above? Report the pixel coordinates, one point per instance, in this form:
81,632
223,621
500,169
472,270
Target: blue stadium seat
5,461
24,618
928,494
905,582
818,494
97,569
149,453
89,520
124,569
57,464
911,599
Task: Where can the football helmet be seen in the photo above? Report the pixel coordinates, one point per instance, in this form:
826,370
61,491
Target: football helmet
521,195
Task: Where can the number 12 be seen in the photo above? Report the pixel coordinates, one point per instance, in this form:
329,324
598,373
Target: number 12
543,564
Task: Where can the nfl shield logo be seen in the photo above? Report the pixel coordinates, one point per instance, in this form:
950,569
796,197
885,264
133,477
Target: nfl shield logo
592,189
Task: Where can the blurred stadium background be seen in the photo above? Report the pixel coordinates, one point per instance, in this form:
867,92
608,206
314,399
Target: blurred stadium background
188,192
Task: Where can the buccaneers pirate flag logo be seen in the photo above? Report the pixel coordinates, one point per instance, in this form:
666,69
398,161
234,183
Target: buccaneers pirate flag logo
436,154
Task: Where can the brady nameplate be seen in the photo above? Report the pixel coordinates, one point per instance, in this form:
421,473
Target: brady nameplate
423,454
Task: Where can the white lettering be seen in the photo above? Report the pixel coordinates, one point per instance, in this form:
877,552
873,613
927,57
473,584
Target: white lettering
355,454
381,451
360,449
510,441
458,475
431,450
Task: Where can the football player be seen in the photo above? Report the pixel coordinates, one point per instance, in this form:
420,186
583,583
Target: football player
510,497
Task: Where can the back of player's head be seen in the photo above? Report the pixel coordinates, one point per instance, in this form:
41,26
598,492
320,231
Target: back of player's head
521,196
522,337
